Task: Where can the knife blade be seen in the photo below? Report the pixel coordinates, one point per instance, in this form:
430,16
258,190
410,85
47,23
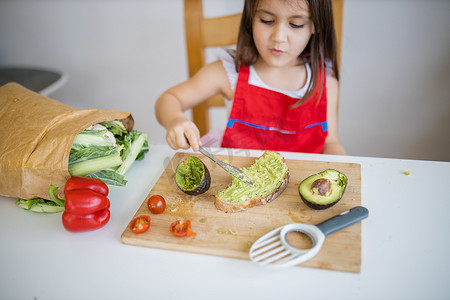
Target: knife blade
234,171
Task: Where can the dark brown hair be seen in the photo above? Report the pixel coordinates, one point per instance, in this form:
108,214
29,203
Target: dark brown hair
321,46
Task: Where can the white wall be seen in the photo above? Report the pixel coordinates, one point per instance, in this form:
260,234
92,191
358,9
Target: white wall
395,87
122,54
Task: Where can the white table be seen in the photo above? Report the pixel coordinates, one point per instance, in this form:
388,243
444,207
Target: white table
405,247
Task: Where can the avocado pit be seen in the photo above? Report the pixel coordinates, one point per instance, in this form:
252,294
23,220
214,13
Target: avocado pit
321,186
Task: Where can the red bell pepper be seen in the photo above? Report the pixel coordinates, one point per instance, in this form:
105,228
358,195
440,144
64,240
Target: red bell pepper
79,223
96,185
84,202
86,205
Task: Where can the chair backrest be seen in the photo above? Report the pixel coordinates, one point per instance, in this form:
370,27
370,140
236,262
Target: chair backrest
338,15
221,31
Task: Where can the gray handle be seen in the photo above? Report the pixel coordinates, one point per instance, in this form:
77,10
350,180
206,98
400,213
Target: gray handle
343,220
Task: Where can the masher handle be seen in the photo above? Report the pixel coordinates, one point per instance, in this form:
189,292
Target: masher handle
343,220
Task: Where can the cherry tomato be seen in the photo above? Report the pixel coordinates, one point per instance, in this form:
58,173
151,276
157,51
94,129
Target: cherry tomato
181,228
140,224
156,204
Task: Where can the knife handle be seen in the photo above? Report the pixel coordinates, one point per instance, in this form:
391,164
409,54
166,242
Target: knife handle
343,220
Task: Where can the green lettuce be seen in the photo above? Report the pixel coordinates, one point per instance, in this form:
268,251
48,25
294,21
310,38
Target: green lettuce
40,205
106,151
133,144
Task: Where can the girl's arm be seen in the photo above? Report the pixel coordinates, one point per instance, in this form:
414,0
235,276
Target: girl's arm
209,81
332,145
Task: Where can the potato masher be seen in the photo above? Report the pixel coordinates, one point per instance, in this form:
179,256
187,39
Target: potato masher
273,250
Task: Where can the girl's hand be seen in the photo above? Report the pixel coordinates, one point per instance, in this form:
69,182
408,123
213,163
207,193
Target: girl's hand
183,134
209,81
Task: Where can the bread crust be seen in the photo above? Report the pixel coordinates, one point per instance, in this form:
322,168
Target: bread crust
235,207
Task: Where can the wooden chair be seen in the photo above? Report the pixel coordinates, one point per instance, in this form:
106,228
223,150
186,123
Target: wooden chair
338,14
221,31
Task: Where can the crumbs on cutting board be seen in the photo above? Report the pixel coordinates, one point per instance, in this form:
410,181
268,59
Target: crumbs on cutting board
229,231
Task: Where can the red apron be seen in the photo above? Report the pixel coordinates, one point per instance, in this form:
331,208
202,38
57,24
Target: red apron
261,119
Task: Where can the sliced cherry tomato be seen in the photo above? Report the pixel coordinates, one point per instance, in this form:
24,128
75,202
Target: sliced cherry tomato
156,204
181,228
140,224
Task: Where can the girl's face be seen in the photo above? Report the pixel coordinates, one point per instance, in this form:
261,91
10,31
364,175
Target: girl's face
281,31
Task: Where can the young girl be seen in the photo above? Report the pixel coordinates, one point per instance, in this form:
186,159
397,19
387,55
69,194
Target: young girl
284,96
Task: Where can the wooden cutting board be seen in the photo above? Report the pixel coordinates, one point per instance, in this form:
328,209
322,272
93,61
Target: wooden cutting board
231,234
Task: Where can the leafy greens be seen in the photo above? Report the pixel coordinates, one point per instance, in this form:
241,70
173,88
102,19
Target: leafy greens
106,151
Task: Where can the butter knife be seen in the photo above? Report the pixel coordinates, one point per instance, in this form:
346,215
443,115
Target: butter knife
236,172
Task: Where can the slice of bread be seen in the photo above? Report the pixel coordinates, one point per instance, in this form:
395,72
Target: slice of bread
270,176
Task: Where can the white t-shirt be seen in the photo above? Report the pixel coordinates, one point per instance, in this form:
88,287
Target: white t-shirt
254,79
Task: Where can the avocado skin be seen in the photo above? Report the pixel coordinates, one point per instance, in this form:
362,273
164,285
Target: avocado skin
312,178
318,206
204,184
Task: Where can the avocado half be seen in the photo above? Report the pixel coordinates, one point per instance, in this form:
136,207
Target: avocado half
192,176
324,189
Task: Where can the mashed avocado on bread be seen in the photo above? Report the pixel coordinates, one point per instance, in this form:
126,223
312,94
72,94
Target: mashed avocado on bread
270,176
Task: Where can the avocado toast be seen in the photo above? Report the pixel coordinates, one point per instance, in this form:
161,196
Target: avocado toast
270,176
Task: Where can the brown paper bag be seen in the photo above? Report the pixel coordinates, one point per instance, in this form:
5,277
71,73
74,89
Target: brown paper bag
36,135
